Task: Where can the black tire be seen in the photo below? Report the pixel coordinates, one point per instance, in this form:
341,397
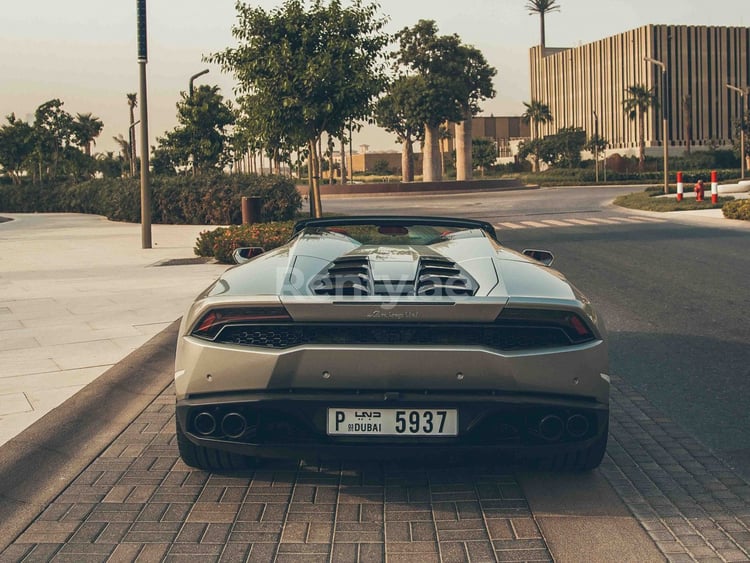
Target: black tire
581,460
210,459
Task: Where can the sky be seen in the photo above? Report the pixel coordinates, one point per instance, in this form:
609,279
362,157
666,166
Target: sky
84,51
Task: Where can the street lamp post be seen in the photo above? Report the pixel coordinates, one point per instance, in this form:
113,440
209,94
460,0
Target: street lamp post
746,95
665,118
145,187
196,75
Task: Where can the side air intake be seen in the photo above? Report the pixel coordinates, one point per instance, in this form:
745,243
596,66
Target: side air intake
441,276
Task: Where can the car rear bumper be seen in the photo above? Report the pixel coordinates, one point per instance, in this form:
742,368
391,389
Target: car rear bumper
293,424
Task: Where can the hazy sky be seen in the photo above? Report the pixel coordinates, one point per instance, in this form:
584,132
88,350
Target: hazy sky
84,51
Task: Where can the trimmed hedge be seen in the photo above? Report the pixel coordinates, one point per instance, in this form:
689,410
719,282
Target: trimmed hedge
221,242
199,200
738,209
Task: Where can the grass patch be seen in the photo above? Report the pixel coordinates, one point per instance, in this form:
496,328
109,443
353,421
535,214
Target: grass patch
648,201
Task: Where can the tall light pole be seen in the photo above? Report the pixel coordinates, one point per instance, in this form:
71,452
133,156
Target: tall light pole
145,188
746,95
196,75
665,118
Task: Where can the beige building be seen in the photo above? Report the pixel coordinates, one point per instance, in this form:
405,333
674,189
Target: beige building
505,131
700,61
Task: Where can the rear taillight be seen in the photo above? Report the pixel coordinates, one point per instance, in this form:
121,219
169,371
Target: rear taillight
214,320
574,326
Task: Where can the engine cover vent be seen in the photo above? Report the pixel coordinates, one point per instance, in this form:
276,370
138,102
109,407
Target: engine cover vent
348,275
441,276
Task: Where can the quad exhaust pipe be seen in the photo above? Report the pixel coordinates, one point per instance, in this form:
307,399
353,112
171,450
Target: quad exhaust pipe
232,425
552,427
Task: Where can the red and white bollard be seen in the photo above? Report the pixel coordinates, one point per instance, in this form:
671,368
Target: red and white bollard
714,187
680,186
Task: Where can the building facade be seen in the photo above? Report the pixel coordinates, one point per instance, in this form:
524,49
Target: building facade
585,86
501,129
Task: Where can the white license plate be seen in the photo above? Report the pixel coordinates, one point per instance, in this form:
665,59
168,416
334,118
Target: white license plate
392,422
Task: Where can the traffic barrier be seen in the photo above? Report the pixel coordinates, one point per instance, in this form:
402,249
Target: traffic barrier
714,187
680,186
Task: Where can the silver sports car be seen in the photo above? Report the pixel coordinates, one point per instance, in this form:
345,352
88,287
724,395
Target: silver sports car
392,336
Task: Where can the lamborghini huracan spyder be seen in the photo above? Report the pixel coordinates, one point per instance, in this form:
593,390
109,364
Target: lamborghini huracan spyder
392,336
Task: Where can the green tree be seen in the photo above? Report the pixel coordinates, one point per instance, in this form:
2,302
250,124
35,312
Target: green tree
477,86
565,146
200,138
399,112
639,100
313,69
16,147
542,7
537,113
483,153
125,152
53,131
109,165
86,128
456,78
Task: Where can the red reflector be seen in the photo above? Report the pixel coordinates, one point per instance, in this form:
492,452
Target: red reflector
578,325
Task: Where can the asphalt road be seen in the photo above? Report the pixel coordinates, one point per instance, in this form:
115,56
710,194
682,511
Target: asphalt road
674,296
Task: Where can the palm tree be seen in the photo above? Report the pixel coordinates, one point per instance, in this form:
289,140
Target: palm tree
541,7
537,113
132,157
86,129
125,149
639,100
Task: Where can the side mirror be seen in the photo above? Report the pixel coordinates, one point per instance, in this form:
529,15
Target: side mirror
543,256
246,253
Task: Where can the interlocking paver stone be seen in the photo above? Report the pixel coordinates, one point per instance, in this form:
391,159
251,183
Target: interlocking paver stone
138,501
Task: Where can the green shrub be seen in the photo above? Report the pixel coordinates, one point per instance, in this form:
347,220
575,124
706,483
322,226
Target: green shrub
738,209
221,242
200,200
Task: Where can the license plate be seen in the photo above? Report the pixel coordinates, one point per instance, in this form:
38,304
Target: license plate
392,422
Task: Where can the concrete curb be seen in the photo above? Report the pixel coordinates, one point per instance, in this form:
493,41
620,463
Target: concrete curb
38,464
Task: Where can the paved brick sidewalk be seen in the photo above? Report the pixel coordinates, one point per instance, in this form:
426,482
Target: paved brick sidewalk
138,501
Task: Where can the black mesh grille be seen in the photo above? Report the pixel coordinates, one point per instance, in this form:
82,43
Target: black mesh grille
497,337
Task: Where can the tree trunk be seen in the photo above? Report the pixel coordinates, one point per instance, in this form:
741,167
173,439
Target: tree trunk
407,161
431,155
641,140
314,167
541,32
344,180
464,164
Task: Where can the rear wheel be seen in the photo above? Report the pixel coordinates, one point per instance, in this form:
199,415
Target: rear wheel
209,459
580,460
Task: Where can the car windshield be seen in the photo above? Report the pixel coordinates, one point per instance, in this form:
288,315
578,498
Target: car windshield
395,234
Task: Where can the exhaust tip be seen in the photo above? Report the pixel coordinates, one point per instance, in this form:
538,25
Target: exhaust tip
577,426
551,427
204,423
233,425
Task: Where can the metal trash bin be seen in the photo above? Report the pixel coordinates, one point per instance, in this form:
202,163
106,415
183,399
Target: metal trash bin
251,207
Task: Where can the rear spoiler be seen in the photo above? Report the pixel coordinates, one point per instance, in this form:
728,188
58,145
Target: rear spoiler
397,220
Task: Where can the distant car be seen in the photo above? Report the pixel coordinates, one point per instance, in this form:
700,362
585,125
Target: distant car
392,336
